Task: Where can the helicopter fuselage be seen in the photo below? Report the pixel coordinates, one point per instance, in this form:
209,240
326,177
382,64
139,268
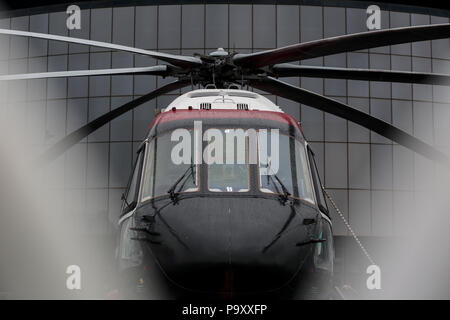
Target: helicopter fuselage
218,237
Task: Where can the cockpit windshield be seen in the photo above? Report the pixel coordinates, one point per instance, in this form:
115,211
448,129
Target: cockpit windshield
161,171
283,164
173,162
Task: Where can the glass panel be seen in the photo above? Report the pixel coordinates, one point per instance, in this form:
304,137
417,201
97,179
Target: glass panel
324,250
334,21
216,31
318,184
123,26
402,168
121,127
359,165
55,121
162,175
83,33
290,173
130,250
312,122
264,26
357,133
149,179
356,20
122,84
37,88
303,177
101,21
100,85
336,165
400,19
132,193
98,159
143,117
422,48
381,109
169,29
402,115
75,167
381,166
144,83
76,114
423,121
78,86
193,25
311,23
240,26
382,217
19,45
288,31
119,164
57,25
38,23
96,206
340,197
97,108
273,165
146,27
231,175
4,39
114,204
359,211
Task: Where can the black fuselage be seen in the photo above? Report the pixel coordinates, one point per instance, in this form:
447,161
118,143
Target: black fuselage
226,243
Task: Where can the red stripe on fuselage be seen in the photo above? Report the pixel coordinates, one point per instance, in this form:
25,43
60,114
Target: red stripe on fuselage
225,114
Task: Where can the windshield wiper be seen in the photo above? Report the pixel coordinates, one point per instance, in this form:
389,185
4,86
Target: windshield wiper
286,193
129,206
171,191
283,187
124,199
285,190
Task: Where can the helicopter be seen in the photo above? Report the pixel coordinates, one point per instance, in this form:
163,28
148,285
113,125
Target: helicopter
258,226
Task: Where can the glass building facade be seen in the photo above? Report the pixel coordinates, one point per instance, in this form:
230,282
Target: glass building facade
369,177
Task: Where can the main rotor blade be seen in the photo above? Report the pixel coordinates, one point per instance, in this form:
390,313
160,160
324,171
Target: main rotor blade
345,43
155,70
292,70
68,141
342,110
177,60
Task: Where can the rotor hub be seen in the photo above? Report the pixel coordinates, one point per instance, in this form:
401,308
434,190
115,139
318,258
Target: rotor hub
219,53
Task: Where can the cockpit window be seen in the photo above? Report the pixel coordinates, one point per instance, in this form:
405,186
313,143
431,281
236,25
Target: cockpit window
133,186
167,164
227,156
173,160
283,166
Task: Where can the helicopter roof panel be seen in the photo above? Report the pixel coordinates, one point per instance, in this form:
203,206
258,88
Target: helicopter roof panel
254,117
223,99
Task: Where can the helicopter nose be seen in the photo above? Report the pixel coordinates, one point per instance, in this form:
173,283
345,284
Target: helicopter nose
248,247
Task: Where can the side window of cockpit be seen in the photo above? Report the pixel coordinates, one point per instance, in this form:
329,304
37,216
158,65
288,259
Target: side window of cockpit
324,255
130,197
317,183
